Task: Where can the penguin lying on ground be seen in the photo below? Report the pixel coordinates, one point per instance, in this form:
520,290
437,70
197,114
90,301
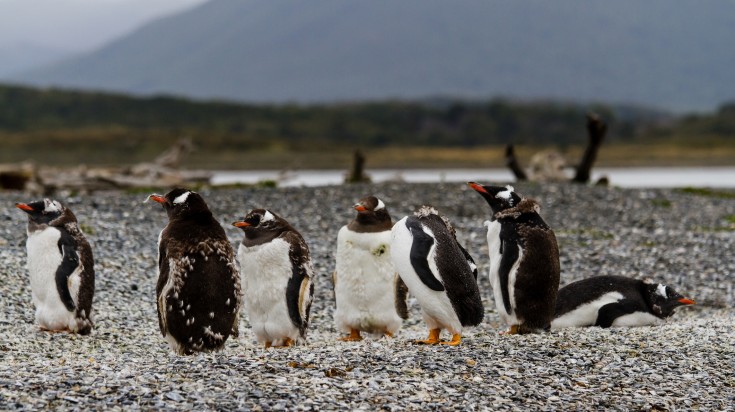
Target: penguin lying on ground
276,276
438,272
615,301
61,267
524,260
198,289
370,296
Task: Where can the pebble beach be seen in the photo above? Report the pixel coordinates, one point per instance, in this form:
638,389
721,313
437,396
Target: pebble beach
683,238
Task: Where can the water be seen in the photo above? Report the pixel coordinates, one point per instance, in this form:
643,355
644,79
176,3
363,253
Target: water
649,177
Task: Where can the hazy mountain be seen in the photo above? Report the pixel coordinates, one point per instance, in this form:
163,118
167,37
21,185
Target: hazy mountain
670,54
23,56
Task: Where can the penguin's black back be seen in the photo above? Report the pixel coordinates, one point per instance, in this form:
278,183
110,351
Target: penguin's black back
457,276
207,288
537,276
588,290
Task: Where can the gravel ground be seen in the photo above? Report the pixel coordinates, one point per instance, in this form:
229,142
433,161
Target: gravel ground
683,239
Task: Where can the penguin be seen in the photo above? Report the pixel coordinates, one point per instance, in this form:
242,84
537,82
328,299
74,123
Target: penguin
198,290
607,301
524,260
277,278
61,267
438,272
369,294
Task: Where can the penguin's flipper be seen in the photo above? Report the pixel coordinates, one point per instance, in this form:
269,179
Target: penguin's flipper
401,298
300,289
420,249
69,263
509,251
608,313
163,270
471,261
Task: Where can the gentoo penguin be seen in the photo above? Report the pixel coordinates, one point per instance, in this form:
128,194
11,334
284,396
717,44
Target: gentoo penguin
615,301
61,267
438,272
524,260
198,289
370,296
276,275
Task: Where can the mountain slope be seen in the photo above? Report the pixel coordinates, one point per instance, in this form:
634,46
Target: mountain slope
674,55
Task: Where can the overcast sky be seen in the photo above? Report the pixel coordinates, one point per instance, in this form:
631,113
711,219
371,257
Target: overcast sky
78,25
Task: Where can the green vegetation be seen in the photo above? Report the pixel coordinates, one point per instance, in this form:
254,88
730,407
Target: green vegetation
698,191
665,203
69,127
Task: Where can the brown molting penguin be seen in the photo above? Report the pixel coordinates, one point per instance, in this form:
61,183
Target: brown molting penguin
198,289
61,267
370,296
524,260
276,276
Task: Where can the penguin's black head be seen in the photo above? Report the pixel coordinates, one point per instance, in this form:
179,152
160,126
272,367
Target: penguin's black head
42,212
182,203
498,197
371,211
664,299
261,223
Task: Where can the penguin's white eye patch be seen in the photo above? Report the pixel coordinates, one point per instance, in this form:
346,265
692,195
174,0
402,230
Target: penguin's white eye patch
380,205
267,217
51,206
661,290
182,198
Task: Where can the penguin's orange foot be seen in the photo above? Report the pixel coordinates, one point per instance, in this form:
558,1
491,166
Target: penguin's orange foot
387,334
514,329
433,338
354,336
456,340
44,329
267,345
287,342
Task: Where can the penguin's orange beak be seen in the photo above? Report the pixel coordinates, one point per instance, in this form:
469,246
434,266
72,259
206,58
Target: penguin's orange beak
477,187
360,208
241,224
685,301
157,198
23,206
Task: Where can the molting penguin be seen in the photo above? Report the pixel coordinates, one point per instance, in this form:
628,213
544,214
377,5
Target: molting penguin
370,296
615,301
524,260
61,267
276,275
438,272
198,289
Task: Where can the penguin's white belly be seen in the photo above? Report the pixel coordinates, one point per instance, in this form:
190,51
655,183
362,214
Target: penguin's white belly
637,319
436,306
44,259
265,270
493,244
365,287
586,314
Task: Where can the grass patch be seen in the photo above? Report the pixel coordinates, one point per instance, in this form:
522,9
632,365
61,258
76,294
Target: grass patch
665,203
730,219
87,229
706,192
595,234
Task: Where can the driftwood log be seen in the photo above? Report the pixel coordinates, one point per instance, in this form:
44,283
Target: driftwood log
596,130
163,172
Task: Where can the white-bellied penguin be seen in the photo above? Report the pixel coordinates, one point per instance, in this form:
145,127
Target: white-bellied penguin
524,260
438,272
370,295
277,278
198,289
607,301
61,267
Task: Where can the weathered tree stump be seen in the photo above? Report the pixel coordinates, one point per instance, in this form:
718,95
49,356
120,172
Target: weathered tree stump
596,129
357,174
